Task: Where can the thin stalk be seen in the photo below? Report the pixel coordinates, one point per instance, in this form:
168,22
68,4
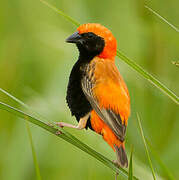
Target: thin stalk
66,136
37,169
131,166
162,18
73,140
31,110
14,98
156,156
128,61
61,13
146,148
149,77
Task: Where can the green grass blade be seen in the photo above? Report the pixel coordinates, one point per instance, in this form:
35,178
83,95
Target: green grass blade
75,140
128,61
22,104
14,98
146,149
37,169
149,77
131,166
162,18
61,13
165,170
66,136
34,113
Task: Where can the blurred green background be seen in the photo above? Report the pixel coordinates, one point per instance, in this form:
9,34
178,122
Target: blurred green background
35,63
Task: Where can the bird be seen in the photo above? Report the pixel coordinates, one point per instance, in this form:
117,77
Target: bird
96,93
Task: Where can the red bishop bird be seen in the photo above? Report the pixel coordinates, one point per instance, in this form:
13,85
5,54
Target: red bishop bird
97,95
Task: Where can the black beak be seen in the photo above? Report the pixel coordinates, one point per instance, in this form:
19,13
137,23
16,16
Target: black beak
74,38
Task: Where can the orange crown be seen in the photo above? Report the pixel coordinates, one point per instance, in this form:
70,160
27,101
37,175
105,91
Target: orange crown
110,48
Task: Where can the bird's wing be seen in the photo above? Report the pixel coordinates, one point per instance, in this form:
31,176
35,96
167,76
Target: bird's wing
108,95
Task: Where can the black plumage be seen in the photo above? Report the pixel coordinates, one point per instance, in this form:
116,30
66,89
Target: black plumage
90,46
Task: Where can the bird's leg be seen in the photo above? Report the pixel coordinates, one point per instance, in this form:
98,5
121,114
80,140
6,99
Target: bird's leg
63,124
116,175
116,163
81,124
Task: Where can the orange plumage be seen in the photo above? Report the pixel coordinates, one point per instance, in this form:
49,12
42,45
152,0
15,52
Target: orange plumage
101,128
96,90
110,48
111,92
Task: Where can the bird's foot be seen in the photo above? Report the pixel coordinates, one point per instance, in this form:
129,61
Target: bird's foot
52,125
116,163
63,124
60,124
58,133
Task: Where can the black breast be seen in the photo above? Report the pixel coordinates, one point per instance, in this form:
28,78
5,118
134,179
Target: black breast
76,99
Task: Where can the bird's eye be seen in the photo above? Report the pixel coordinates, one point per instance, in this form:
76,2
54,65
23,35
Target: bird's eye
90,35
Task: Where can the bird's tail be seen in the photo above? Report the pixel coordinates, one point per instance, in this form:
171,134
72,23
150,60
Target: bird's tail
121,155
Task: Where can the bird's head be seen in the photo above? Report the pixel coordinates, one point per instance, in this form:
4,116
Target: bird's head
95,40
